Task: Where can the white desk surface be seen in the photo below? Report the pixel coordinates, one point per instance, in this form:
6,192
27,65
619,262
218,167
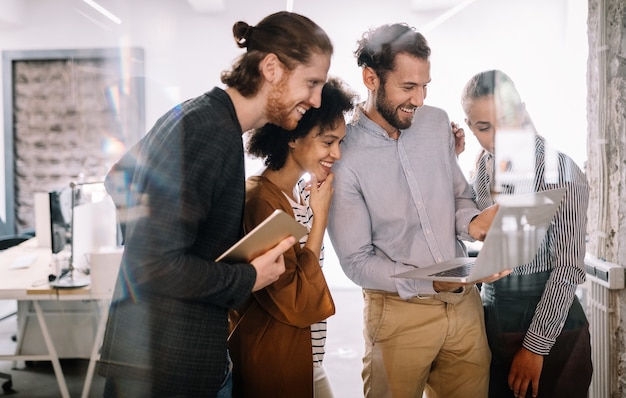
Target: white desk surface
31,283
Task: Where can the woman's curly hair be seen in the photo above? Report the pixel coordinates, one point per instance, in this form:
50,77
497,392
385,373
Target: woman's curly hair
272,142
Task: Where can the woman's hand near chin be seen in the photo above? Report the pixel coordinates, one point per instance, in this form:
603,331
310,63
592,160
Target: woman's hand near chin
319,200
321,197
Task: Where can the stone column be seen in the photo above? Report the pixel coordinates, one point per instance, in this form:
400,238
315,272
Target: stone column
606,165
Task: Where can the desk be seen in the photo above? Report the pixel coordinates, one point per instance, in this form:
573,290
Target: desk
22,285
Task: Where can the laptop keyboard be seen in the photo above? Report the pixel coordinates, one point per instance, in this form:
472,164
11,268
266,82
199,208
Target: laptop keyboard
461,270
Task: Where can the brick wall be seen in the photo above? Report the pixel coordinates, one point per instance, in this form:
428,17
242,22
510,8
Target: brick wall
70,119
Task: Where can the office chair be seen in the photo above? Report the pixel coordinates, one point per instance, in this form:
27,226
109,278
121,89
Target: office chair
5,243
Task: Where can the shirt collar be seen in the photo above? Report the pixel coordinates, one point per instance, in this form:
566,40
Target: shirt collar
361,120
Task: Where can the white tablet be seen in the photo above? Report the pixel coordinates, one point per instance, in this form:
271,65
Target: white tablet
276,227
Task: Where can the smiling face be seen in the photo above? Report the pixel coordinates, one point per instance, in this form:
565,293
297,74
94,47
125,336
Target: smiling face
315,153
297,91
403,91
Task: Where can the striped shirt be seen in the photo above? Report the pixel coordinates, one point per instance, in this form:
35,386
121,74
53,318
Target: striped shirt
562,251
304,215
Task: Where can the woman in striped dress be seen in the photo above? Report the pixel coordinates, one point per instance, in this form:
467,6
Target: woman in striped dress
536,327
278,337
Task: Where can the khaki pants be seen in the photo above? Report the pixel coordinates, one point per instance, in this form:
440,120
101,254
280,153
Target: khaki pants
425,344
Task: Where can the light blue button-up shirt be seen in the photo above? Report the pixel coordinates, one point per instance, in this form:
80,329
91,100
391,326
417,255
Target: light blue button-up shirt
398,204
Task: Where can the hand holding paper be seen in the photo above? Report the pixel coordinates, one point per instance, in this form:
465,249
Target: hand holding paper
270,265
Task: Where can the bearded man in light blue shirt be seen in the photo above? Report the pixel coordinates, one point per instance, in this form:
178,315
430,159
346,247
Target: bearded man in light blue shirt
402,201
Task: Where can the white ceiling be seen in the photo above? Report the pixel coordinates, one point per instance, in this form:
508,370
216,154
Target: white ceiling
13,11
434,5
207,6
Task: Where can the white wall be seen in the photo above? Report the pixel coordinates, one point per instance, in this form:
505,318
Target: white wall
541,44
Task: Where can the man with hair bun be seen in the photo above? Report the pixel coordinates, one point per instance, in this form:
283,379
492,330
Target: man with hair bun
167,328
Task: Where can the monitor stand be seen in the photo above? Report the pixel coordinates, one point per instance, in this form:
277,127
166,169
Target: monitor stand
70,281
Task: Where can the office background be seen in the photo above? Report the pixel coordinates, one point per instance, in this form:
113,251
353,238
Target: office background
186,44
573,94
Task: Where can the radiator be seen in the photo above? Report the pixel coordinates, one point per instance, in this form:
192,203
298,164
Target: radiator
601,303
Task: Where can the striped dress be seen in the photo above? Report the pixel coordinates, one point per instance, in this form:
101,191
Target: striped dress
304,215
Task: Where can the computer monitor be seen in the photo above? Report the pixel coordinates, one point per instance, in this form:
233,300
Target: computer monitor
60,218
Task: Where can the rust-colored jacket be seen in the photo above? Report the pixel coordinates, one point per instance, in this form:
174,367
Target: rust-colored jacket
270,342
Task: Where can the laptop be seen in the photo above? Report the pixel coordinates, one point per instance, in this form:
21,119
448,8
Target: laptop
517,231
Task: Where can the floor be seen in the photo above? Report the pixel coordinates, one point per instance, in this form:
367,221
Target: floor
37,379
344,349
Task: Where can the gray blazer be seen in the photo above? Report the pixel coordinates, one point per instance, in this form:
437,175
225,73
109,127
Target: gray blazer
183,185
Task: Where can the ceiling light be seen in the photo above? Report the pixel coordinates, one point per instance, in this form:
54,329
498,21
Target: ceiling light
103,11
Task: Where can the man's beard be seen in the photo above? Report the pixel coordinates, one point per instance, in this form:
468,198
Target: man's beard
276,110
389,112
